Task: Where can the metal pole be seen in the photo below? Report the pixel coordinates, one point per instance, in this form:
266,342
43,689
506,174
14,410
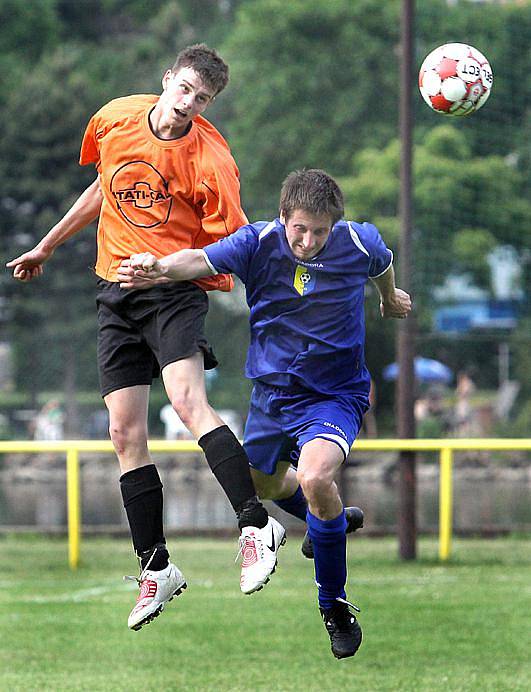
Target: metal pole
74,506
503,363
407,530
445,503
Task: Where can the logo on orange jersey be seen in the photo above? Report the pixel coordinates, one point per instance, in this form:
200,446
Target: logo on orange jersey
141,194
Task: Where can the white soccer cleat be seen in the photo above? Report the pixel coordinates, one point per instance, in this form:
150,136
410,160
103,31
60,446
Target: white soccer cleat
259,548
156,589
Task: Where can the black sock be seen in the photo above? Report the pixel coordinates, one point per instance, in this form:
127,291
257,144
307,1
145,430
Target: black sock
230,465
142,495
252,513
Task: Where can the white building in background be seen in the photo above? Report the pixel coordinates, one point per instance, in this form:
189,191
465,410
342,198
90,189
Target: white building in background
505,279
505,273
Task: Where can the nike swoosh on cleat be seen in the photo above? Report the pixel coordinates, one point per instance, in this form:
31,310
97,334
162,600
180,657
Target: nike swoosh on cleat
272,546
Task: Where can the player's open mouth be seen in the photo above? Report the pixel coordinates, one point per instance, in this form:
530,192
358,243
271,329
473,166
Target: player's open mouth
180,114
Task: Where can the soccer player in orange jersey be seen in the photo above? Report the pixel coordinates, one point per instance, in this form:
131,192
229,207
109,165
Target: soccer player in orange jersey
166,181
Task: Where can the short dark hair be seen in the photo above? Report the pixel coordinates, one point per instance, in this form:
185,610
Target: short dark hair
311,190
207,63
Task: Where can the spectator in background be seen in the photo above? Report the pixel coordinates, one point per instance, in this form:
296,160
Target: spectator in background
431,413
464,390
49,423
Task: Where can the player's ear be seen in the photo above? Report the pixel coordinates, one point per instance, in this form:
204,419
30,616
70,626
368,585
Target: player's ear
282,218
166,78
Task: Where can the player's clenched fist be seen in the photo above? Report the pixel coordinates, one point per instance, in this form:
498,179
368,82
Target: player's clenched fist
397,305
140,271
146,262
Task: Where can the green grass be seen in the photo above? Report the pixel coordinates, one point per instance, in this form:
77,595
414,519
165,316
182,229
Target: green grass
459,626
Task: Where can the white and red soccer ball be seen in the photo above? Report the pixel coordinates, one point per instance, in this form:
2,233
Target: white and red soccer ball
455,79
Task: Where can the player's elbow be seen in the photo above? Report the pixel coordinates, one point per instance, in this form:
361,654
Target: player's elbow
199,267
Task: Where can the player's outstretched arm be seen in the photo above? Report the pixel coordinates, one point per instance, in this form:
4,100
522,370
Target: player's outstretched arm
394,302
140,270
86,208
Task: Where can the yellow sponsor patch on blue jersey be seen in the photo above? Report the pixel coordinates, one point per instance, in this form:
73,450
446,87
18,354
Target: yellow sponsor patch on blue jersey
304,280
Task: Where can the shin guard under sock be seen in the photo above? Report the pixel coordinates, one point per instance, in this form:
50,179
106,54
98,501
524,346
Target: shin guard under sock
230,465
142,496
295,505
330,556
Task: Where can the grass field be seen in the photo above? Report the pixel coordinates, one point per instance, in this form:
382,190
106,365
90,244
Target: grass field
460,626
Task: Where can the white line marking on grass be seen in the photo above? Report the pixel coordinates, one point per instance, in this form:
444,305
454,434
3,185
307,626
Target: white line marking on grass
72,596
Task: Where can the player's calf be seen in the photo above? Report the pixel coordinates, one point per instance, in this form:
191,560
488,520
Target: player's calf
354,516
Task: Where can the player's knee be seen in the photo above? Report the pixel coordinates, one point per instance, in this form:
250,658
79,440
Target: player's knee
127,438
312,483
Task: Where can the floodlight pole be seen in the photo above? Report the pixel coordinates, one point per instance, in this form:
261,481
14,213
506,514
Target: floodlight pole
405,390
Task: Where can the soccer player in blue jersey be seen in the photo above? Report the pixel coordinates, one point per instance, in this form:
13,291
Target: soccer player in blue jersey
304,275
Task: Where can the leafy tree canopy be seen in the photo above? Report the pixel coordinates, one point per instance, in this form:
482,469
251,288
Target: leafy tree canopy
465,205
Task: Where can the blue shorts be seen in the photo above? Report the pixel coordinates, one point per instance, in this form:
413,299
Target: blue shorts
281,421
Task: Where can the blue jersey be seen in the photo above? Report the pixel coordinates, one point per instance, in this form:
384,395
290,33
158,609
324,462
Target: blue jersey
307,317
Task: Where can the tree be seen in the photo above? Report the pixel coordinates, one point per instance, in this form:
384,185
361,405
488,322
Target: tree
313,83
44,120
44,115
501,32
465,205
305,94
27,30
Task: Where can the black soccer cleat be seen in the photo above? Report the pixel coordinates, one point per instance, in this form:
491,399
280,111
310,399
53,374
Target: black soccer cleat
354,521
342,627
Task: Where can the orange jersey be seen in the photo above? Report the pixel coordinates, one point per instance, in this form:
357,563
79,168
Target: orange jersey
159,196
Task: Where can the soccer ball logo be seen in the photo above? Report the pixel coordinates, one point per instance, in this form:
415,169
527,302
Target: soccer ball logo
306,277
455,79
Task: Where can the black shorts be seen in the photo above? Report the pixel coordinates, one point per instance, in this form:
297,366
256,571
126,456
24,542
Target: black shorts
141,331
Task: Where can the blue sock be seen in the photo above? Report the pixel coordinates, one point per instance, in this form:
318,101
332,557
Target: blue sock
295,505
330,556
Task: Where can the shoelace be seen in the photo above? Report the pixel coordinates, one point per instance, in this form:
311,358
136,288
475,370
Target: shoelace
348,603
242,543
140,579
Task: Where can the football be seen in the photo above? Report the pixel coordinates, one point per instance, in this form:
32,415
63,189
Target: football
455,79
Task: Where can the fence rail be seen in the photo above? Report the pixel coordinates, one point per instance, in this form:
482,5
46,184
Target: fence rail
446,449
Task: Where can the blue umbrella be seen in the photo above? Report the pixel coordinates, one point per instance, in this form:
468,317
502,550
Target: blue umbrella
426,370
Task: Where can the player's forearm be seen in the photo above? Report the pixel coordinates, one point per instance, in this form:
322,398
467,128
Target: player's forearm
84,210
183,265
394,302
385,283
